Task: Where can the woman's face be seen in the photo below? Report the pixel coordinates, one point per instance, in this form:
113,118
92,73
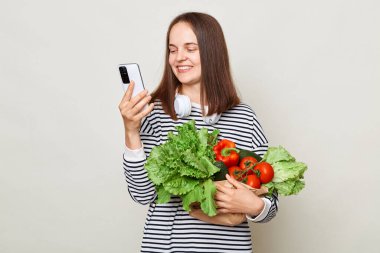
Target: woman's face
184,57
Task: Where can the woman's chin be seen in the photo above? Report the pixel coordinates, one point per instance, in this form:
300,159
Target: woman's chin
188,81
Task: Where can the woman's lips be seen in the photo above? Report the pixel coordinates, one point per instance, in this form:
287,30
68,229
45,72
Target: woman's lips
183,69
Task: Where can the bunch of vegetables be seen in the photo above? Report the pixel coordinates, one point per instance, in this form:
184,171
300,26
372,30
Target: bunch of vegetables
243,165
187,164
277,170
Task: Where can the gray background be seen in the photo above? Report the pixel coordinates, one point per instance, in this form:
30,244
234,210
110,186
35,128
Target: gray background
310,70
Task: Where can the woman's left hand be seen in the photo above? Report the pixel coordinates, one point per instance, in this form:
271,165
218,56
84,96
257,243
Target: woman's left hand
238,199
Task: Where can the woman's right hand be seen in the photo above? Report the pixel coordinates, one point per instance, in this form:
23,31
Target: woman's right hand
132,110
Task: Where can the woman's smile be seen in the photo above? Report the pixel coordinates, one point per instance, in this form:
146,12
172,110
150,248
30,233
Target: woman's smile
184,68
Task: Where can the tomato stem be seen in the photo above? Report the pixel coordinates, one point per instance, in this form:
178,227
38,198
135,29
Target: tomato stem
227,151
252,168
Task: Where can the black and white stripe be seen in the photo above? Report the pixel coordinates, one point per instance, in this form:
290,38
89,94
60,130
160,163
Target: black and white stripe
168,228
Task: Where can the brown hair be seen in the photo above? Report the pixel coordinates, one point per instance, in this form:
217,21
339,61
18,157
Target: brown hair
216,80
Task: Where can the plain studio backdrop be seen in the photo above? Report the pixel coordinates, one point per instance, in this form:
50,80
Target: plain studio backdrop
309,69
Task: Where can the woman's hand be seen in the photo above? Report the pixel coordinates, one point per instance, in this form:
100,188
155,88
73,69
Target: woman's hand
132,110
238,199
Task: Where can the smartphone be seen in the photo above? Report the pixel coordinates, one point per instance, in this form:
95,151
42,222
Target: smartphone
131,72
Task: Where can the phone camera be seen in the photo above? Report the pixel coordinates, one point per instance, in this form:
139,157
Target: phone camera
124,74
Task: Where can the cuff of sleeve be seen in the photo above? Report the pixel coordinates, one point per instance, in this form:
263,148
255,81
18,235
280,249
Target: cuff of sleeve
263,213
134,154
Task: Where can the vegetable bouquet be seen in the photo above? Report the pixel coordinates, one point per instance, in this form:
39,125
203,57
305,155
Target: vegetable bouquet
277,170
188,163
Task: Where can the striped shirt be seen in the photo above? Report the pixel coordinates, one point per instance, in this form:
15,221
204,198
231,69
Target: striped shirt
169,228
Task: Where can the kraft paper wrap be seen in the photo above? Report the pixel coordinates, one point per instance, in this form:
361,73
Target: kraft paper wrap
226,219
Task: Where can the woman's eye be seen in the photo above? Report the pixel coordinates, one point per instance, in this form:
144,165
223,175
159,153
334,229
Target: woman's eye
191,49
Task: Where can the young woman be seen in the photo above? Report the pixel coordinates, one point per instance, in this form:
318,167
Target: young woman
197,85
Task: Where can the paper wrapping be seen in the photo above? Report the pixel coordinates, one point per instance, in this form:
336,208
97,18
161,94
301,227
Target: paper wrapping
226,219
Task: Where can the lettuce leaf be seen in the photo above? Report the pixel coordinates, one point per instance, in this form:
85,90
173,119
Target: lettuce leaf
277,154
208,205
288,173
163,195
183,166
203,194
288,170
196,195
180,185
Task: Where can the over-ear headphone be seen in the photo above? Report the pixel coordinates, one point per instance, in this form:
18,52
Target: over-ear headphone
182,107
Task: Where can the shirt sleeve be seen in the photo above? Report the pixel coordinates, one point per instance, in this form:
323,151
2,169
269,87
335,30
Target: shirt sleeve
135,154
140,188
260,147
263,213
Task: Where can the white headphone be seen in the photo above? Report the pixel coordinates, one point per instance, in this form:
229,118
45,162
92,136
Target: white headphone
182,107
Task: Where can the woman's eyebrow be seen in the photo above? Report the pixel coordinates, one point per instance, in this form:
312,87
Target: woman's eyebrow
191,43
186,44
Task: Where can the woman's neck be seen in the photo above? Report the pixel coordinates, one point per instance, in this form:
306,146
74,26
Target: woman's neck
192,91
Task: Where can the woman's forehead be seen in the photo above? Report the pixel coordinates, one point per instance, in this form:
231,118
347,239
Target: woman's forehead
182,34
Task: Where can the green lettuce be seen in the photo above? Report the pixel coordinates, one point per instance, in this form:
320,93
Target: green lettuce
183,166
288,173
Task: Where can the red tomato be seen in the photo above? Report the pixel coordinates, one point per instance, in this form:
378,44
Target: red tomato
236,172
266,172
247,163
253,181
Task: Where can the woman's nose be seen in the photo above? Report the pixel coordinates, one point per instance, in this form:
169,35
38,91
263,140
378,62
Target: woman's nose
181,55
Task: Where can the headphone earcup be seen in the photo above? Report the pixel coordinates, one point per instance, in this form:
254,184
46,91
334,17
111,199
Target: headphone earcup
182,105
212,119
